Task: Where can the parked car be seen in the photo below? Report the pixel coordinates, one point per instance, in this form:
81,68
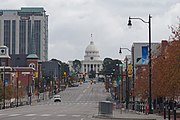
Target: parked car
75,85
57,98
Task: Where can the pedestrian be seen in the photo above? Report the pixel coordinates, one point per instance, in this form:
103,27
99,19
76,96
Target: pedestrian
147,108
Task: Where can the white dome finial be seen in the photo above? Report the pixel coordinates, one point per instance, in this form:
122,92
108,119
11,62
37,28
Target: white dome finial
91,37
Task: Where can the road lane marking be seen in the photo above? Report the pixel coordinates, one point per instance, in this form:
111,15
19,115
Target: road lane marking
2,114
61,115
14,114
45,115
76,115
30,115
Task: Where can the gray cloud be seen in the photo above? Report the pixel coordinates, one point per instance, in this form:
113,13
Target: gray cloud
72,21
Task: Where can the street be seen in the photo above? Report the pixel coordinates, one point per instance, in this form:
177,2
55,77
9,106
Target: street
78,103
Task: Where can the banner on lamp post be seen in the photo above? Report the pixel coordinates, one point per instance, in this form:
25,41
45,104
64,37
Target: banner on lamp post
6,83
144,54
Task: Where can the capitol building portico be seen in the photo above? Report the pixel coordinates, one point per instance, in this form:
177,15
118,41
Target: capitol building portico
91,61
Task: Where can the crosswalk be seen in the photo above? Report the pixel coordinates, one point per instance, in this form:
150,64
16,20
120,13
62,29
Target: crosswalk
42,115
70,102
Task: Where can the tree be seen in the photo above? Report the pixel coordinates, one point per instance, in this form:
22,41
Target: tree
107,66
77,65
172,69
141,82
9,91
166,72
92,74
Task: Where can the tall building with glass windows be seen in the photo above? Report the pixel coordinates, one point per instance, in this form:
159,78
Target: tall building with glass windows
25,31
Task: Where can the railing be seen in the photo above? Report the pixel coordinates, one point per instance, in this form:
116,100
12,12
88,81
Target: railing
26,101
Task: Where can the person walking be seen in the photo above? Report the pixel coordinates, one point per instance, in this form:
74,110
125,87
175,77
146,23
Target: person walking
147,108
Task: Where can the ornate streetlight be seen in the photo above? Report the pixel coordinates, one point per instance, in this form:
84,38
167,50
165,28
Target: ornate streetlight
149,64
127,92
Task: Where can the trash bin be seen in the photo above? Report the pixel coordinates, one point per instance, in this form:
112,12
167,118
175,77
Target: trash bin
11,105
105,107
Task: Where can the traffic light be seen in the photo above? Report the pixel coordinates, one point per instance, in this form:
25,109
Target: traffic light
114,83
130,70
65,73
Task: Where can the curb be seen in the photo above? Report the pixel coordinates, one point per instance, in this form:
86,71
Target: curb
119,118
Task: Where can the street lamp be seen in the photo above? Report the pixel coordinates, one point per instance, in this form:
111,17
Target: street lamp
120,50
4,99
127,81
149,64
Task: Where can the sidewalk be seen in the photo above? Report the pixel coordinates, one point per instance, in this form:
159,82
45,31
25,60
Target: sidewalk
129,115
134,115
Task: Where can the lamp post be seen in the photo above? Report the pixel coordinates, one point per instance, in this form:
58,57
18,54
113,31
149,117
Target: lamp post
149,63
127,79
4,96
127,84
17,87
132,52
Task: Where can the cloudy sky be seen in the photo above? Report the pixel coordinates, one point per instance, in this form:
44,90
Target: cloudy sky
71,23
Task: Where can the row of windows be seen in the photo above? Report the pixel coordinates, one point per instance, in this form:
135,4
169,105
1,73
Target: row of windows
22,36
7,28
88,70
92,52
13,36
91,65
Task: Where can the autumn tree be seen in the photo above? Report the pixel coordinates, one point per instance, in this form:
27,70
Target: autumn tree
166,72
9,91
172,69
141,82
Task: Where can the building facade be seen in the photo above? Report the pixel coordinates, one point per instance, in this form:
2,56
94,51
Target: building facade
91,61
140,50
25,31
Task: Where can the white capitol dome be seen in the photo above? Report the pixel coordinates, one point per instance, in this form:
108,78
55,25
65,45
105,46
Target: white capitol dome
91,52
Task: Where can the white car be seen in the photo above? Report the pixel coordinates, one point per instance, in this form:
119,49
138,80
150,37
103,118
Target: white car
57,98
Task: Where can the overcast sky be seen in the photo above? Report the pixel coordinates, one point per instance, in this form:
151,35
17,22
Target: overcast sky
71,23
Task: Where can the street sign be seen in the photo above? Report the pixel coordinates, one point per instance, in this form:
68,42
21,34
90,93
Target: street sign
6,83
117,82
25,73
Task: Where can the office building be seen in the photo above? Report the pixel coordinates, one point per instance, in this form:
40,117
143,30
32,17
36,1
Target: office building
25,31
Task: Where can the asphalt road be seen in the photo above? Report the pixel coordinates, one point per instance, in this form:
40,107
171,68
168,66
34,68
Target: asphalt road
78,103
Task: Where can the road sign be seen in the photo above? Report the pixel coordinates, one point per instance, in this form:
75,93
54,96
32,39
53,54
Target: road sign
117,82
6,83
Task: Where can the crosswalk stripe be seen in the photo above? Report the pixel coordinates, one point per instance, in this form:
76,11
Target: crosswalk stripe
30,115
76,115
2,114
61,115
14,114
45,115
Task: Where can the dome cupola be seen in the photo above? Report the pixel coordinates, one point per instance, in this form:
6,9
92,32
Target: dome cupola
91,52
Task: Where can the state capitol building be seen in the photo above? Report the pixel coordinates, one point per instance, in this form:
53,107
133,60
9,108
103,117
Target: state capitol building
91,61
